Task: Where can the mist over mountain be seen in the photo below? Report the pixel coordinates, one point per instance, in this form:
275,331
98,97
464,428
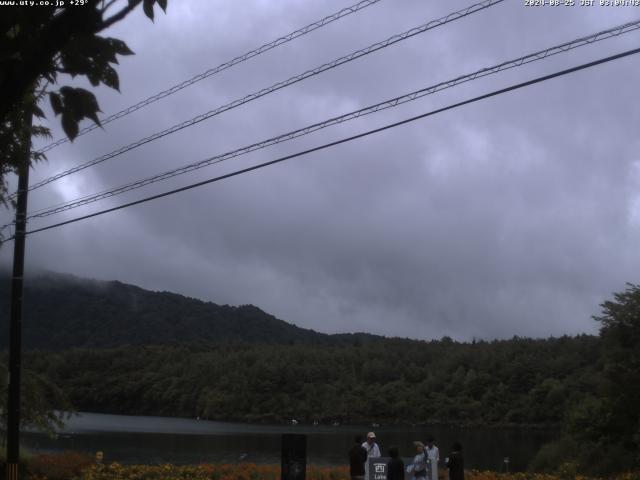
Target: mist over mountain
118,348
63,311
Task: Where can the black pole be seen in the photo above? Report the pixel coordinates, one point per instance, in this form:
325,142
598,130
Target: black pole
15,326
294,457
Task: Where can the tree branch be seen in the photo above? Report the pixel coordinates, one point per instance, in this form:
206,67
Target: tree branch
107,6
120,15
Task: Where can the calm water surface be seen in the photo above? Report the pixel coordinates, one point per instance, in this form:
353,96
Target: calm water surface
138,439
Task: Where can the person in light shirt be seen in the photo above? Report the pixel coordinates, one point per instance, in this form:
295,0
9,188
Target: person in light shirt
419,467
373,451
433,454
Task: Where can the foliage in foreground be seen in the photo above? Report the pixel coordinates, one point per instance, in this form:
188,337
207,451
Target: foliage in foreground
37,45
67,465
75,466
44,405
602,430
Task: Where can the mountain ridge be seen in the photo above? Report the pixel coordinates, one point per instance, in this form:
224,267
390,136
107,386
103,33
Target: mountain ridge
63,311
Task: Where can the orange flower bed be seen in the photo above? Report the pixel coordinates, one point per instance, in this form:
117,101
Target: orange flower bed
61,466
76,466
223,471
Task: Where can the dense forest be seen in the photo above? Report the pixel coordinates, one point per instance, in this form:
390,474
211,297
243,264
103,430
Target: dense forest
490,383
118,348
508,382
115,348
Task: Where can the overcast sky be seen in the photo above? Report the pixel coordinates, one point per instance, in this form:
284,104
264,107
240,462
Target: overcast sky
516,215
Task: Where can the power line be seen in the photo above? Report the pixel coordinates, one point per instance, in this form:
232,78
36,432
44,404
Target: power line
277,86
345,140
223,66
391,103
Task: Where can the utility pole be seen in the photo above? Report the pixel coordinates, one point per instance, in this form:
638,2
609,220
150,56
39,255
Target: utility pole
15,326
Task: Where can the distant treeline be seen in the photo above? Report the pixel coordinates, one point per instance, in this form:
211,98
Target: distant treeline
518,381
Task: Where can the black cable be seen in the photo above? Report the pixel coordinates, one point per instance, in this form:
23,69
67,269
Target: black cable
377,107
223,66
459,14
347,139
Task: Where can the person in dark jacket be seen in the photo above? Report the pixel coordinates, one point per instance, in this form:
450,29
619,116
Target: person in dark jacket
455,462
395,468
357,458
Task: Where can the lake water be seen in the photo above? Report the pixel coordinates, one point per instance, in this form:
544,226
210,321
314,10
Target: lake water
139,439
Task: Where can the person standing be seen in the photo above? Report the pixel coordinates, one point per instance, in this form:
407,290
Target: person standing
419,467
373,451
455,462
357,459
433,455
395,467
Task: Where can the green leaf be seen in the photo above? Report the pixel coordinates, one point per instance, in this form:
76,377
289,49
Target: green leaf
56,102
147,6
77,55
51,76
120,47
163,5
110,78
69,125
66,91
77,104
40,131
94,77
37,111
88,104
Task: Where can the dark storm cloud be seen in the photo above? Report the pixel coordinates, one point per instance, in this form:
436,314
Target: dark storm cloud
516,215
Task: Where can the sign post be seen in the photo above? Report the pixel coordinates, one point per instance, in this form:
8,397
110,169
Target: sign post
294,457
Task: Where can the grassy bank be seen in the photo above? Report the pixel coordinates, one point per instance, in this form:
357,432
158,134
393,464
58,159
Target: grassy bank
76,466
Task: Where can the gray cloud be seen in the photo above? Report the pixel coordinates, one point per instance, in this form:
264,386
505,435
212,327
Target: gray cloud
513,216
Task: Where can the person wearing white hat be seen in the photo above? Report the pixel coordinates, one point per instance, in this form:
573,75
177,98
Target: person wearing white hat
373,451
420,463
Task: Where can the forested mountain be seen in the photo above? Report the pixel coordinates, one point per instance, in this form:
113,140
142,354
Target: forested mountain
517,381
115,348
63,311
118,348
